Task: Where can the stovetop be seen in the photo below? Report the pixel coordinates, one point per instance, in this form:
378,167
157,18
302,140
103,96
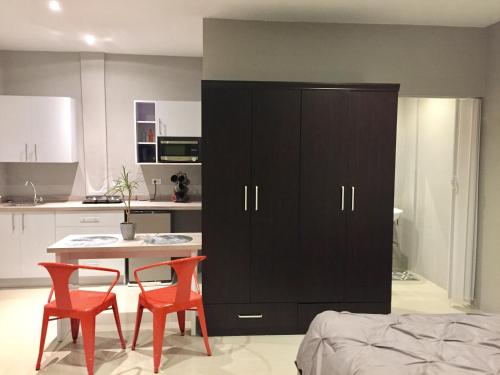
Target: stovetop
94,199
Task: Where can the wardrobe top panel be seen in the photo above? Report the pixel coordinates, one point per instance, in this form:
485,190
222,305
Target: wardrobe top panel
304,85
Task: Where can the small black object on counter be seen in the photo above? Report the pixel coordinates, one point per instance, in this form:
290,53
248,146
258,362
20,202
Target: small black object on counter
181,189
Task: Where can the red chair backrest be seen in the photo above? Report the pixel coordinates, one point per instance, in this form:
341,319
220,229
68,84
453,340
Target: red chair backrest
184,268
60,274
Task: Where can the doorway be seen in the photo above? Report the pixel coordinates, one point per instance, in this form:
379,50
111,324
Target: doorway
436,192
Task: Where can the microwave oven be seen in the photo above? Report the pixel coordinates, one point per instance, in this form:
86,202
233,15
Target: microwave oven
179,150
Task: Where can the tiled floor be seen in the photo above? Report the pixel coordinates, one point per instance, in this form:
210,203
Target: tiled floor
20,316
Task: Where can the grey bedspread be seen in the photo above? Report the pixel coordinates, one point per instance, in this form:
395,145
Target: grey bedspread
365,344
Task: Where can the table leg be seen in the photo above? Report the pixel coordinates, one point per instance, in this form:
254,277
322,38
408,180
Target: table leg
193,287
63,324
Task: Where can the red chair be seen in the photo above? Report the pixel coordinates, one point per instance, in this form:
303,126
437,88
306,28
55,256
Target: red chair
176,298
78,305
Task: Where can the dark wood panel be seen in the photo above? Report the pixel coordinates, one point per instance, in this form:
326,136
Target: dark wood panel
324,153
368,267
276,168
307,311
255,319
226,114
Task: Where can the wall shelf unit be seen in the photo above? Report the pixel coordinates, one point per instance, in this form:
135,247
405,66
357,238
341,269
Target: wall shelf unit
153,119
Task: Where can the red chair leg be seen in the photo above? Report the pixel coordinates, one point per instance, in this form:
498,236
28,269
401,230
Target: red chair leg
159,320
45,323
75,325
181,318
138,319
118,324
203,325
88,333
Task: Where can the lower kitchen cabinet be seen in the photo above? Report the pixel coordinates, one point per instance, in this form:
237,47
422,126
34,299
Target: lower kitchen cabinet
37,233
10,250
25,238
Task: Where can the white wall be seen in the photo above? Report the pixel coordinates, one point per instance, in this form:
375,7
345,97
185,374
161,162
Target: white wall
110,84
50,74
426,61
149,78
424,169
488,270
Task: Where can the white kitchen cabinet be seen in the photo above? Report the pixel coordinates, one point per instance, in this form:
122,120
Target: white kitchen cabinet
91,222
53,130
37,232
10,248
14,128
25,238
37,129
179,118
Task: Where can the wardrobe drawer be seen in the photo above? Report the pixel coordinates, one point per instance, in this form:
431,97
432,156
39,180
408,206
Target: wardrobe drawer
89,219
255,319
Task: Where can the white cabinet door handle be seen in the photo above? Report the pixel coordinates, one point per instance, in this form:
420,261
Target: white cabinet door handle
342,198
25,152
256,198
90,219
246,198
36,155
13,223
353,191
22,225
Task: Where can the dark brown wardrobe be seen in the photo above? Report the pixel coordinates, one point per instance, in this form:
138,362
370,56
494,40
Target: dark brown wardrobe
298,184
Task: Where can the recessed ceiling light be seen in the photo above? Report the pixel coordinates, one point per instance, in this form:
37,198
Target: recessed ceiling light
54,6
89,39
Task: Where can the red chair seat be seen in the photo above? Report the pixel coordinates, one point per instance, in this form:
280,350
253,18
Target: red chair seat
86,301
163,297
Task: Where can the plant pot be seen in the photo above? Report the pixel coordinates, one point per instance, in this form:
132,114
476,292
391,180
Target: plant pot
128,231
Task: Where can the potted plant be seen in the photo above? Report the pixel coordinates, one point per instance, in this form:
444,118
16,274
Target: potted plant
125,185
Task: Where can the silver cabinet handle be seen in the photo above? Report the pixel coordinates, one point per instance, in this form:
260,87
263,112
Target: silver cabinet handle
22,222
25,152
246,198
13,224
258,316
256,198
342,198
36,155
353,191
90,219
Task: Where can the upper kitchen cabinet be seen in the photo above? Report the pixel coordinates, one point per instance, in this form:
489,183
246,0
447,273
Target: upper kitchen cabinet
179,119
162,118
37,129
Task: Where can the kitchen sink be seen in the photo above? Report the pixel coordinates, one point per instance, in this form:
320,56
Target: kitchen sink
23,204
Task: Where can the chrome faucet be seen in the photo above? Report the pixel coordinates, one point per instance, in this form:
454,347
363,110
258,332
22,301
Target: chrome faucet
36,200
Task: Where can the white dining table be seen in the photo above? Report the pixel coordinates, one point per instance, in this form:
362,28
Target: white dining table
108,246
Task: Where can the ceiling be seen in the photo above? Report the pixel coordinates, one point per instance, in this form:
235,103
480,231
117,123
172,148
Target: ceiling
174,27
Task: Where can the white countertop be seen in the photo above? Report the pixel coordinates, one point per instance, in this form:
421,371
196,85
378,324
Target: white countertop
77,206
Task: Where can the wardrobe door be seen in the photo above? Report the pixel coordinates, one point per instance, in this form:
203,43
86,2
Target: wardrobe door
324,154
275,194
226,115
371,192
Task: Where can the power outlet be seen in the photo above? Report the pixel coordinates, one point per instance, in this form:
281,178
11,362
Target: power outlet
156,181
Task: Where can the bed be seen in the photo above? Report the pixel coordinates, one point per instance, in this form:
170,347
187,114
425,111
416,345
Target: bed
368,344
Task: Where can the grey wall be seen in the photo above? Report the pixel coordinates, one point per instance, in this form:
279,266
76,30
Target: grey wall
131,77
125,78
488,271
46,74
427,61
